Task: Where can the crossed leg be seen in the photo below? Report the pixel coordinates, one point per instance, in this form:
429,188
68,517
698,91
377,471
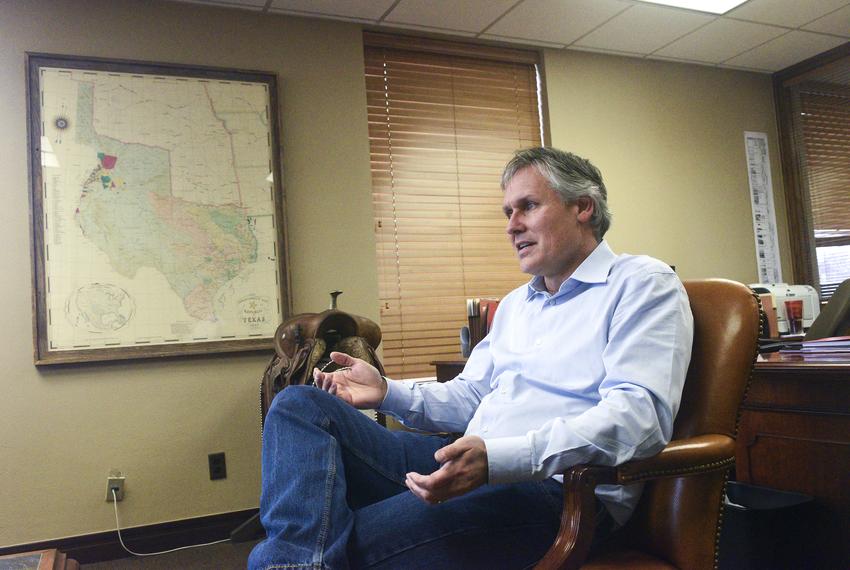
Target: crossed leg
334,497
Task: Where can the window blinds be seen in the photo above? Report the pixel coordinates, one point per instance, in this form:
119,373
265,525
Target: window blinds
821,134
442,125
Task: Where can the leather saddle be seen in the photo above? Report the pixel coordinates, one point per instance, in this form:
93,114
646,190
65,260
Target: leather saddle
305,341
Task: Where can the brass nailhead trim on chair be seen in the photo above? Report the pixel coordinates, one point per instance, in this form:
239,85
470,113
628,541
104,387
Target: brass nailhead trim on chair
705,467
719,528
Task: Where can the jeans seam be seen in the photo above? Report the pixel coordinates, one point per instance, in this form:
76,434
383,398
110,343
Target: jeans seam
325,424
374,466
319,555
377,469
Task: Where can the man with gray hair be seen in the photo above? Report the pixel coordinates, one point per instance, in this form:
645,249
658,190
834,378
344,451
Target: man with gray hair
571,176
584,364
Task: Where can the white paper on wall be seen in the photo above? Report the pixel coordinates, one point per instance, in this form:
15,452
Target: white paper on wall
764,214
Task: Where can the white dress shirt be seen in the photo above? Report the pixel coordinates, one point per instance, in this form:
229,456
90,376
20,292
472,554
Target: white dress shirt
590,374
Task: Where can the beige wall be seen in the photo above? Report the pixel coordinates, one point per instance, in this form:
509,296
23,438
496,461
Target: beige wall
668,137
62,429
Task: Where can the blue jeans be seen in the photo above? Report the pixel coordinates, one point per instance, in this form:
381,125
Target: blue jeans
334,497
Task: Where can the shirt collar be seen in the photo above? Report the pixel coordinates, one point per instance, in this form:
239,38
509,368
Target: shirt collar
594,269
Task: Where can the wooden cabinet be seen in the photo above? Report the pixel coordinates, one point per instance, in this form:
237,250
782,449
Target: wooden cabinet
794,435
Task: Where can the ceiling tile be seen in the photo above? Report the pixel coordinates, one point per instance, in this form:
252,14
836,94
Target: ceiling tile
835,23
643,29
681,60
576,47
250,4
624,27
791,13
394,26
556,21
470,15
361,9
739,68
521,41
786,50
720,40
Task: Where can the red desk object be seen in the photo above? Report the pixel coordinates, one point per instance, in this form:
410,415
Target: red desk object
794,435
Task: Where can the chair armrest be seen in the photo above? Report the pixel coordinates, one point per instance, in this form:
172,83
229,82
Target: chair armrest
680,458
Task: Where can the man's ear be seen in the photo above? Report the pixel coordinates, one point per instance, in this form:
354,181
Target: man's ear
585,209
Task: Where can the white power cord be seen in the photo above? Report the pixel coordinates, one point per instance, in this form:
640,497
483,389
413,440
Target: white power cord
121,540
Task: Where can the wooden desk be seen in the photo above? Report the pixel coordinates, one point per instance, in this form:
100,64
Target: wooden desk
448,369
794,435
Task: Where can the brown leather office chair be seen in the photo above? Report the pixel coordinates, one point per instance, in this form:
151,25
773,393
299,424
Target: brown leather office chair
677,521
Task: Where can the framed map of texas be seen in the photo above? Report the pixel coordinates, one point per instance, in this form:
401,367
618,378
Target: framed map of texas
157,214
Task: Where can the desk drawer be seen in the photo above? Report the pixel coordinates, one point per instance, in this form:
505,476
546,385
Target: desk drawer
806,391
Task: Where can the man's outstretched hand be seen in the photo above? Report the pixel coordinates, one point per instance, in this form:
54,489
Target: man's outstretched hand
463,468
463,464
357,382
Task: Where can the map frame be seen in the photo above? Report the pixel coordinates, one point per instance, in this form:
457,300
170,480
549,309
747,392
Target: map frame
44,353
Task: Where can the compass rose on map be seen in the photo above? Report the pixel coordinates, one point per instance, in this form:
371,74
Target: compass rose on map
61,123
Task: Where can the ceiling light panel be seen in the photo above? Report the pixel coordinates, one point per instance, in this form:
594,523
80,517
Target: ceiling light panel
789,13
711,6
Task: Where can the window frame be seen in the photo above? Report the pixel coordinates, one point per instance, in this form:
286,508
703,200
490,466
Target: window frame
798,204
471,52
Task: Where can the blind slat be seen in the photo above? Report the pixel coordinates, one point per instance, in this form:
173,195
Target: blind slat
441,127
821,133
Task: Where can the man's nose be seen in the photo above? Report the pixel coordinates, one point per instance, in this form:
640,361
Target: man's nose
514,224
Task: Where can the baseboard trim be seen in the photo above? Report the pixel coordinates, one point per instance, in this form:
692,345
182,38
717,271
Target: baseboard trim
102,546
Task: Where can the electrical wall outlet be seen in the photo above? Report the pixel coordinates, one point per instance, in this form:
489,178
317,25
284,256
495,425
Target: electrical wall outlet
218,466
115,481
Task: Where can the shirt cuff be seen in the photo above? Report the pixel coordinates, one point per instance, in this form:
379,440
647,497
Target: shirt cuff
508,459
399,396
